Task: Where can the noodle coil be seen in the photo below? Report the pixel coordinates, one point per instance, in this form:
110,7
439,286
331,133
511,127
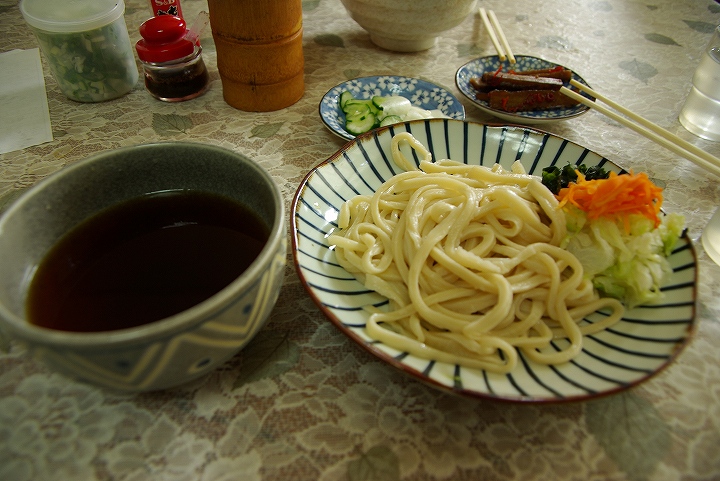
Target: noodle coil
470,260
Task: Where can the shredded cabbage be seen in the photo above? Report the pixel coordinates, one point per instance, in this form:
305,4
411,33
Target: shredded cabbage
628,265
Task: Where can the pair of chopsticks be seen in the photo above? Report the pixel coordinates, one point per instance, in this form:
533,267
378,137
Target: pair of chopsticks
495,30
645,127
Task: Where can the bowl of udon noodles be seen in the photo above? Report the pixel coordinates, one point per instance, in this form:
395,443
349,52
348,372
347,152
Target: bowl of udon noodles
386,243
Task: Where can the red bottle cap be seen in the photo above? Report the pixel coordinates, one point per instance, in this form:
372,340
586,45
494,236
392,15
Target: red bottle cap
163,40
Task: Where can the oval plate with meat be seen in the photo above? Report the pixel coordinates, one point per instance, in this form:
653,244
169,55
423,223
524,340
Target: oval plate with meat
507,94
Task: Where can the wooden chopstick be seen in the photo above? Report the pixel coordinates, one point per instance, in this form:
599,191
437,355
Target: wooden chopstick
645,122
493,25
645,127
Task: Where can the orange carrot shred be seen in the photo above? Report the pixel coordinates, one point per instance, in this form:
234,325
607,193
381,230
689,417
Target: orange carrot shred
615,197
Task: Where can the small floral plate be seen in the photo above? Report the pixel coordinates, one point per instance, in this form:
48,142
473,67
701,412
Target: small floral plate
479,66
421,94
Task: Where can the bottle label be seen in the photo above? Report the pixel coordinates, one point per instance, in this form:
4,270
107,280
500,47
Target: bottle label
166,7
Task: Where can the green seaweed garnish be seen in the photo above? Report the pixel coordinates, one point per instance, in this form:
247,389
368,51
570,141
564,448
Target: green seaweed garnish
555,178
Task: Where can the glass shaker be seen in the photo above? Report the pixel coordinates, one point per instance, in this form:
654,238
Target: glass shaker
172,60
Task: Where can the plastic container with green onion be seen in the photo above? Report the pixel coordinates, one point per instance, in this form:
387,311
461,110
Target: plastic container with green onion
86,45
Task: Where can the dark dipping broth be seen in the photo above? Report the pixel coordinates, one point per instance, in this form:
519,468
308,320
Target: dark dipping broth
143,260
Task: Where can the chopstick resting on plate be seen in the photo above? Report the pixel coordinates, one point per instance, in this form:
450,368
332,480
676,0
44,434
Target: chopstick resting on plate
495,30
645,127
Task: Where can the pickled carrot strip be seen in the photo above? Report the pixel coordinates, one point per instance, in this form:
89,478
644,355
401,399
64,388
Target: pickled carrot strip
616,197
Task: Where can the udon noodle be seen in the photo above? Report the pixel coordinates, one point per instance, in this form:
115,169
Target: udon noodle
470,260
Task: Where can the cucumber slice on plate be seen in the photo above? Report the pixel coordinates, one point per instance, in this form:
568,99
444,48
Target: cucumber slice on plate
390,119
344,98
360,123
362,115
353,107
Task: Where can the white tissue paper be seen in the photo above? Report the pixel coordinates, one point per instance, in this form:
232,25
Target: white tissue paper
24,114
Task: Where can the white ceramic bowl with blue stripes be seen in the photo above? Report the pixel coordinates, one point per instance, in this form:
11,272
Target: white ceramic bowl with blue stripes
421,93
477,67
644,342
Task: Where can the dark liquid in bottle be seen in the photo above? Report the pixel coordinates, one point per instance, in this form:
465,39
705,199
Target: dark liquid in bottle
144,260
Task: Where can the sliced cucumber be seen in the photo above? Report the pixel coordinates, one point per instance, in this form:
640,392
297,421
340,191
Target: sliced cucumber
355,105
362,115
344,97
378,101
360,123
356,108
390,119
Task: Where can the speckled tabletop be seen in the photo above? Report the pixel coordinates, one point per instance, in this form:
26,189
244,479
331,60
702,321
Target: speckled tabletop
321,408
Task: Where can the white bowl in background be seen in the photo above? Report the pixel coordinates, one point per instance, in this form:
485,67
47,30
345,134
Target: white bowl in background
408,25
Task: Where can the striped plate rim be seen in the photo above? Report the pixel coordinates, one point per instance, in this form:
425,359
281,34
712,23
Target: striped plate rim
643,343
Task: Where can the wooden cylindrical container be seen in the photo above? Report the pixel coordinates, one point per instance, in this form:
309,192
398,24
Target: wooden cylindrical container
259,52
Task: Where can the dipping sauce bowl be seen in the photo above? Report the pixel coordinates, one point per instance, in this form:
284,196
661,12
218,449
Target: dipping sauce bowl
171,350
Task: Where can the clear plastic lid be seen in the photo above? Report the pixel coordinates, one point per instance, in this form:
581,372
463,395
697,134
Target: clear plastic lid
71,15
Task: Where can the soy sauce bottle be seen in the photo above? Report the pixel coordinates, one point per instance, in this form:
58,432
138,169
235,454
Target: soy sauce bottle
171,57
166,7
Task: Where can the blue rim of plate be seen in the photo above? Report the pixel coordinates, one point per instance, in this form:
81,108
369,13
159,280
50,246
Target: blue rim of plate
478,66
645,342
421,93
